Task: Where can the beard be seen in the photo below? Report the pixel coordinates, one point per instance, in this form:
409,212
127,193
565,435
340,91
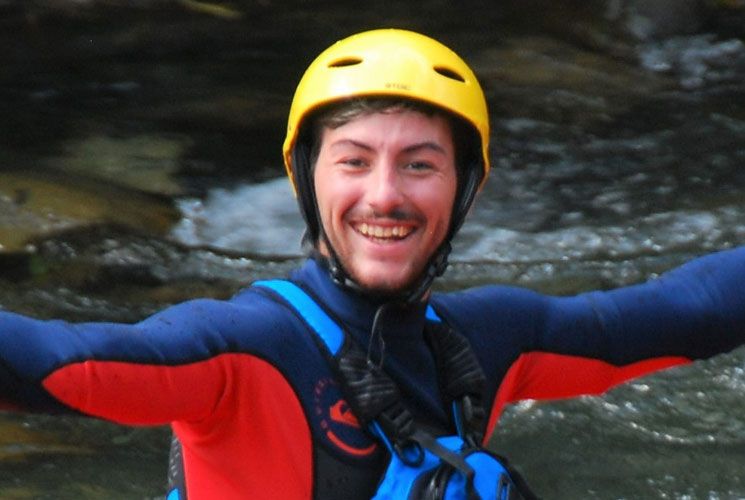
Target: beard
344,272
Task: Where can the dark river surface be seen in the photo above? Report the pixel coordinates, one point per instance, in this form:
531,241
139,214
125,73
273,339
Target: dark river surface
140,166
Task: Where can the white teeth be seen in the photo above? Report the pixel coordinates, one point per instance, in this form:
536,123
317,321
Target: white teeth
383,232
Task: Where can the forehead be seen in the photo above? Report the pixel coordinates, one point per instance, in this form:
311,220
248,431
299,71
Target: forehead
390,128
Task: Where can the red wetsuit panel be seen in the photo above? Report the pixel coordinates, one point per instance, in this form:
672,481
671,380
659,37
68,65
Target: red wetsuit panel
233,448
545,376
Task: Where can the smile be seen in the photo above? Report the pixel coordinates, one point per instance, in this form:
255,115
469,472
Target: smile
383,232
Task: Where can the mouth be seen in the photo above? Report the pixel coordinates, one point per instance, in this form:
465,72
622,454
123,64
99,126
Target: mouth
383,233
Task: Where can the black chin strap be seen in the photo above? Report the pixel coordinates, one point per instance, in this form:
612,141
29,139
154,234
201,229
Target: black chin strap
469,179
409,296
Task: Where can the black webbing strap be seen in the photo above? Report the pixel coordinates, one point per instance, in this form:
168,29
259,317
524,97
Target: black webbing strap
375,398
462,380
372,395
451,462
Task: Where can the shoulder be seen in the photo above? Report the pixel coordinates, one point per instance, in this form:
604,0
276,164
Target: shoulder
250,322
250,304
488,301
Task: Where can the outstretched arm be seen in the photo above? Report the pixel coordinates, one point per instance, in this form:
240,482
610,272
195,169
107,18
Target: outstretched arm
137,374
598,340
540,347
696,311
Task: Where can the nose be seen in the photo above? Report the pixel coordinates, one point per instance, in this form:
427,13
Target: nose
384,190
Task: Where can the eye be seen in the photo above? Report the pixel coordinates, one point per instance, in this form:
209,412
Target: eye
353,162
419,165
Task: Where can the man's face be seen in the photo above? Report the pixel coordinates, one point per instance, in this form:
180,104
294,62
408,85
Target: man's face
385,186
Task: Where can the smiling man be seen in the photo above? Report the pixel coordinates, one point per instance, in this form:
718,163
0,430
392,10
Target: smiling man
312,387
385,184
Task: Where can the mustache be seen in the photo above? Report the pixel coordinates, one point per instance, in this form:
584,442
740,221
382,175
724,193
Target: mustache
395,214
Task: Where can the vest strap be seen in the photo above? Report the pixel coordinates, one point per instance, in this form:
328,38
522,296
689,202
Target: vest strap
373,396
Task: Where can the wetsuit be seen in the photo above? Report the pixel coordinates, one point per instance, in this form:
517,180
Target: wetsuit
260,415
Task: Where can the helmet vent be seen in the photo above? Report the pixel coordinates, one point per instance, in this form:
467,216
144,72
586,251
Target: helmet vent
344,62
449,73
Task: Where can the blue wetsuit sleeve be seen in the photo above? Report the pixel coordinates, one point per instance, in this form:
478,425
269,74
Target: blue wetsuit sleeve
33,350
694,311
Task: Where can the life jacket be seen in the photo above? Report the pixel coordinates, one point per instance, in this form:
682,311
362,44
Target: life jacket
421,466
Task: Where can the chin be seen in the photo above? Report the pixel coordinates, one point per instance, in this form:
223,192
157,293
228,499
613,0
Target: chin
376,284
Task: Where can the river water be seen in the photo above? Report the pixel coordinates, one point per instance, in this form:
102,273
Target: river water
607,172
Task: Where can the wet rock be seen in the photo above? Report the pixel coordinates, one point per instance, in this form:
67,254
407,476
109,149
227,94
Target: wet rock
540,77
18,442
145,163
38,203
41,447
616,26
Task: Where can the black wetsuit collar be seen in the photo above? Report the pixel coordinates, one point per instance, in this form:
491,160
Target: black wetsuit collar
357,309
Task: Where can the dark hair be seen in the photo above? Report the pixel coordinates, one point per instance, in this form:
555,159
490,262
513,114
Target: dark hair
465,137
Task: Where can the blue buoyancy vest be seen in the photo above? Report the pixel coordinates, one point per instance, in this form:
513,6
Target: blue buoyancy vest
421,466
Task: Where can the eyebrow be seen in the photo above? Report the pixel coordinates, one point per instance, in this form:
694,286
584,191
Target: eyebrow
413,148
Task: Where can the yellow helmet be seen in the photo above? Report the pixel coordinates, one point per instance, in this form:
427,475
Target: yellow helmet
398,64
389,62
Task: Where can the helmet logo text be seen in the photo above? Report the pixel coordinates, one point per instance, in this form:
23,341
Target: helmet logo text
397,86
